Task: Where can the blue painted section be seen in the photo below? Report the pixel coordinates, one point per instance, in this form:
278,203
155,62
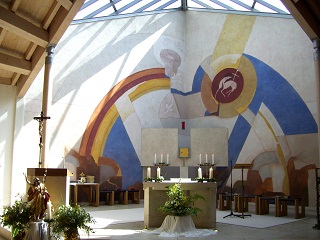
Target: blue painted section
282,100
237,139
119,148
288,108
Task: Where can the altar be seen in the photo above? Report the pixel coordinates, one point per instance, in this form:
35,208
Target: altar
155,196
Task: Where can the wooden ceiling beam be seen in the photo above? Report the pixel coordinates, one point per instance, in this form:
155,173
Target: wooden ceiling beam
14,5
56,30
2,34
304,16
67,4
23,28
5,81
50,16
14,64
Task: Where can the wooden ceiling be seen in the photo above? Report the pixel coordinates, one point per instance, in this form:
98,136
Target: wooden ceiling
27,27
307,14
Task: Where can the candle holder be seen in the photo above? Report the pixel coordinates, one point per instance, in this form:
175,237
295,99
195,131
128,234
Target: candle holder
161,164
207,165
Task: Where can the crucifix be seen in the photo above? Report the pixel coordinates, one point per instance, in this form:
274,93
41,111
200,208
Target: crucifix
41,120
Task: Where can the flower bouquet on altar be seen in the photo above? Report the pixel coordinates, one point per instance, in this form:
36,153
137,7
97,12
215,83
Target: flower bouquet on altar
178,204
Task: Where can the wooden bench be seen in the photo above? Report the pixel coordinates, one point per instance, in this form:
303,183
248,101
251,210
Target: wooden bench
109,196
135,194
122,196
224,201
282,206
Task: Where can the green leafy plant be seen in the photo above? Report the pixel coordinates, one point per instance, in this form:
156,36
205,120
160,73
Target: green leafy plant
179,204
18,217
69,220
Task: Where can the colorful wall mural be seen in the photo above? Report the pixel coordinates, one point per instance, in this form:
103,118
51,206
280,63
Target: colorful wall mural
270,125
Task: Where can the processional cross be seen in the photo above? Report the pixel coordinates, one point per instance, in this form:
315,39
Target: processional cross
41,120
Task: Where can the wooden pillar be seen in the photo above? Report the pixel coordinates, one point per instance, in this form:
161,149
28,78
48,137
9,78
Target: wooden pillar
46,104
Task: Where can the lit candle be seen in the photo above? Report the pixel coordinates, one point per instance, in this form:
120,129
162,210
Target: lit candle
200,158
212,158
148,172
199,172
161,158
155,158
211,173
158,172
167,158
206,158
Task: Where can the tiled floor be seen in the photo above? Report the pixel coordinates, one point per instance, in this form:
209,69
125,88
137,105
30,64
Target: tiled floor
302,229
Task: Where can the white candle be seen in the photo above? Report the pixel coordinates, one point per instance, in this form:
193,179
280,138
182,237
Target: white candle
210,173
148,172
161,158
167,158
199,172
200,158
155,158
49,210
206,158
212,158
158,172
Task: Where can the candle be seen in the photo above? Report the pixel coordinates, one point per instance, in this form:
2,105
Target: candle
161,158
49,210
167,158
155,158
199,172
212,158
200,158
206,158
158,172
148,172
211,173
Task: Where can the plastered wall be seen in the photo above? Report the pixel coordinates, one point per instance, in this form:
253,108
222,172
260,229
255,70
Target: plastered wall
252,75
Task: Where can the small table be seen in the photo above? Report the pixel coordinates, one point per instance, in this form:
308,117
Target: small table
94,187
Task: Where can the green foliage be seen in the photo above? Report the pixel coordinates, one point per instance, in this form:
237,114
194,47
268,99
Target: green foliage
69,219
178,204
18,217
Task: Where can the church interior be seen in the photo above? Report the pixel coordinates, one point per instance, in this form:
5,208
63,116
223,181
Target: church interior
120,96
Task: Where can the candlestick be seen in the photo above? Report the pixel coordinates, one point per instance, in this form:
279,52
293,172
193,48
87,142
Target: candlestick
210,173
206,158
161,158
155,158
148,172
158,172
200,158
167,158
199,172
212,158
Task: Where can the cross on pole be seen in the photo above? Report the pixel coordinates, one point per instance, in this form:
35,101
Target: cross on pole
41,119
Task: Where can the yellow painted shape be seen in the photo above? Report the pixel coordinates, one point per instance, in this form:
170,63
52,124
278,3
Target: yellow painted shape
233,37
103,132
285,184
149,86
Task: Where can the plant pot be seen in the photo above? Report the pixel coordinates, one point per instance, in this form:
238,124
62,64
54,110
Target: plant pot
72,234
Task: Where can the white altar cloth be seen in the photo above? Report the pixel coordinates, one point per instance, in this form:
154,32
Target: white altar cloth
176,226
37,231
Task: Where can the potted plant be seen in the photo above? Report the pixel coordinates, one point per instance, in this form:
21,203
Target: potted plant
68,220
178,204
18,217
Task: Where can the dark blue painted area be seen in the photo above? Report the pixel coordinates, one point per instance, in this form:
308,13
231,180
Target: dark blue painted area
119,148
237,138
288,108
282,100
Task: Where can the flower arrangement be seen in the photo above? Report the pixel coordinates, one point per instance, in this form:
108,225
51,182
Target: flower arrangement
18,217
178,204
205,179
154,179
69,220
